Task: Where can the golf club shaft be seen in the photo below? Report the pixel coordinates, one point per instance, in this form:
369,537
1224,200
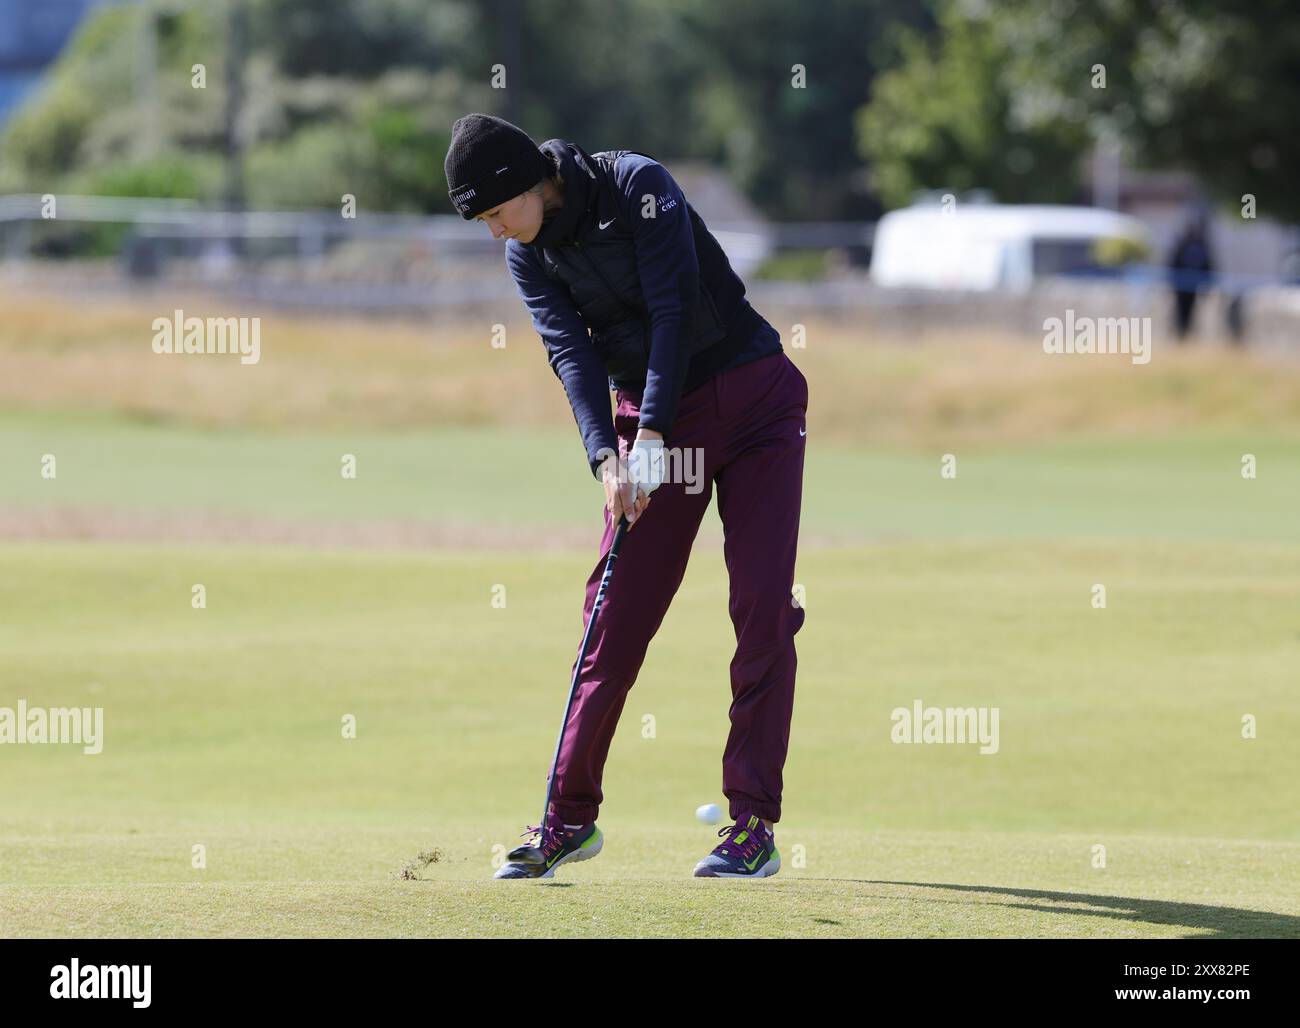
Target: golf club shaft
582,655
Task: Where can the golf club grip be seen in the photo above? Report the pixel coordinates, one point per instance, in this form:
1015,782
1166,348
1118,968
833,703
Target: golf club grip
614,547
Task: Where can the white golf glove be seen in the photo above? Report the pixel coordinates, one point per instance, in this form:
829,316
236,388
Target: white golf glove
645,466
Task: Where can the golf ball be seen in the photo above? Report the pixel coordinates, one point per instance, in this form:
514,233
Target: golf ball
710,813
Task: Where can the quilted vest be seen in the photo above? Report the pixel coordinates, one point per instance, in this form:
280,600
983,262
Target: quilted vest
599,269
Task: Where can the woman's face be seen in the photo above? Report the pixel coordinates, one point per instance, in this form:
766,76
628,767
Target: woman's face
518,218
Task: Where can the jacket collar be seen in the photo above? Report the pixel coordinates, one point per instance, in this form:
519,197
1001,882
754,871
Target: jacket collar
578,171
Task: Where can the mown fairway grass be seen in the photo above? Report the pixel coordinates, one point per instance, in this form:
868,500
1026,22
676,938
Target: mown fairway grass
520,490
1118,727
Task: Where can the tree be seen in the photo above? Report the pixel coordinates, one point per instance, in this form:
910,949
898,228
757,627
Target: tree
946,119
1207,85
791,147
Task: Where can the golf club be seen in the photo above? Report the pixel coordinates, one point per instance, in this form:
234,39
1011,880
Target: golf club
533,854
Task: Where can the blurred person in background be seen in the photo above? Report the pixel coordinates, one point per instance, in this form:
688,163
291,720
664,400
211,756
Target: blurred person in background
1191,268
628,289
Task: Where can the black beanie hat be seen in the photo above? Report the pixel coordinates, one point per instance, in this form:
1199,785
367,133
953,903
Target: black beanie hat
491,161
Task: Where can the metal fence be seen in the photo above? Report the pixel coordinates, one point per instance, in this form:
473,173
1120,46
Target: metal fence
289,253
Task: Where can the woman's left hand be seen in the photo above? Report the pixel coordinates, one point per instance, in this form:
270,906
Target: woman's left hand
647,472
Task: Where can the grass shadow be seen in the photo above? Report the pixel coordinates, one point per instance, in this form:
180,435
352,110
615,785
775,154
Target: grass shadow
1211,922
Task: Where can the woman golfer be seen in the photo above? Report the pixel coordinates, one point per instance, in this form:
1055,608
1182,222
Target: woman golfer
629,290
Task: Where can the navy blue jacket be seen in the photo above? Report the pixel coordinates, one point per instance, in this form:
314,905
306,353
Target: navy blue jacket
669,265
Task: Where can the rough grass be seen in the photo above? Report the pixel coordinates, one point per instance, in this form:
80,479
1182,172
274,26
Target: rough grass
334,372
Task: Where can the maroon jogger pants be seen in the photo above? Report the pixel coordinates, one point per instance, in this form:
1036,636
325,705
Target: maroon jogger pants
748,423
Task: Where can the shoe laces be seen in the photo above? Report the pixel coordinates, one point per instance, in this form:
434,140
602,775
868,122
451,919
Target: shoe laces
550,837
748,848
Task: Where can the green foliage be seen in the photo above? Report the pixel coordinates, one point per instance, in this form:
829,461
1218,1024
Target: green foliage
404,158
945,119
55,239
670,79
358,38
1207,86
1117,250
788,141
814,113
385,152
174,176
312,168
55,131
76,120
46,137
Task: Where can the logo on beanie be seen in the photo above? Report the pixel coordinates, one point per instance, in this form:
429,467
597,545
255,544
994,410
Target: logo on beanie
461,199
